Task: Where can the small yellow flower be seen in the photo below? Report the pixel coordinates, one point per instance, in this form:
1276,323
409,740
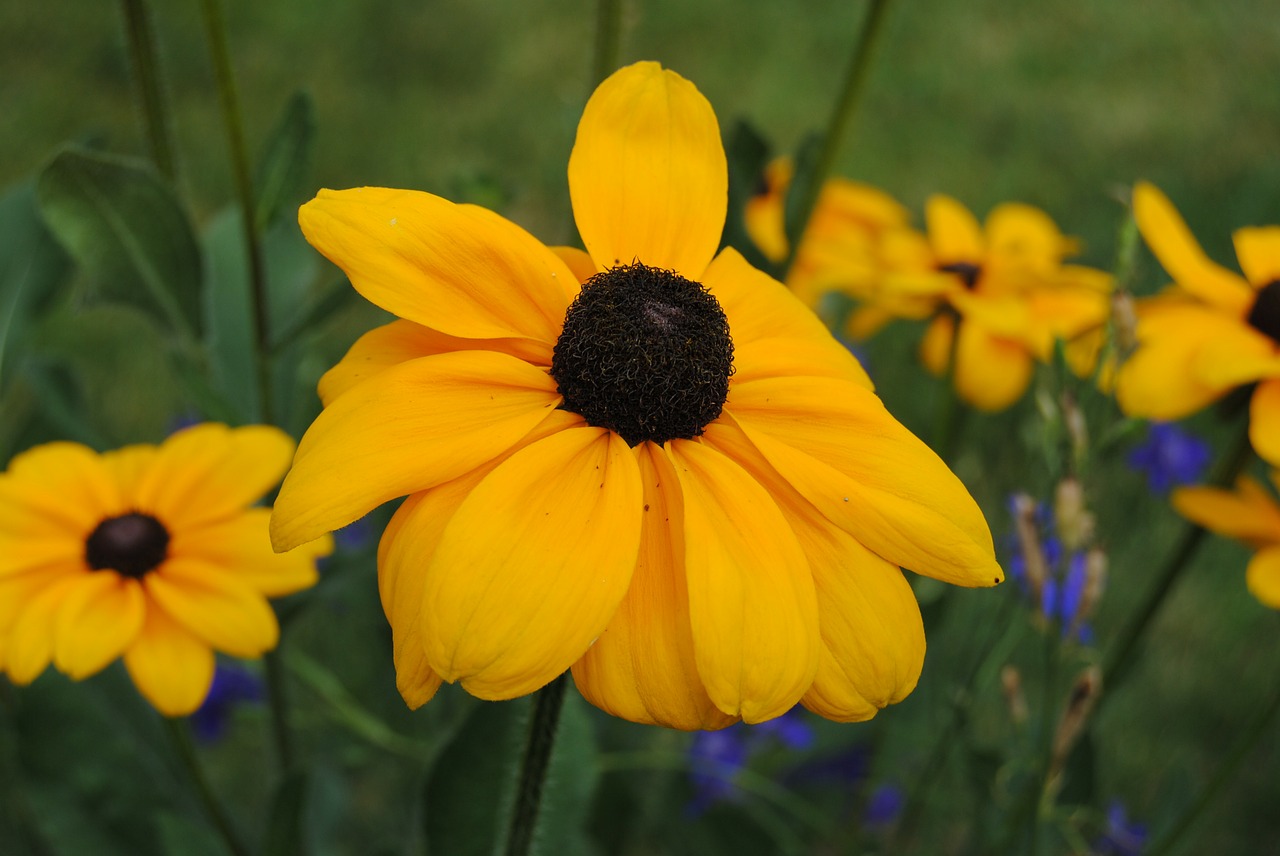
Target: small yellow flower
647,462
1250,515
1213,331
150,553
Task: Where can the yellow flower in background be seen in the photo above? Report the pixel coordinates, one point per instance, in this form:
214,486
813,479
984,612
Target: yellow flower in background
647,462
1248,514
1213,331
839,249
147,552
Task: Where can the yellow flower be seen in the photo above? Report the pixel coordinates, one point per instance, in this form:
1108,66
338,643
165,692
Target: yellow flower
588,486
148,552
1250,515
1214,331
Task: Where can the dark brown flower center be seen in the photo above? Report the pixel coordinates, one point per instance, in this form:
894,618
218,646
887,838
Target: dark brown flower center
645,353
967,271
132,544
1265,314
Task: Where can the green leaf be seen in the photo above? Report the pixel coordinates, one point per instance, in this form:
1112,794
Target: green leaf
228,308
127,231
470,791
285,828
748,153
285,161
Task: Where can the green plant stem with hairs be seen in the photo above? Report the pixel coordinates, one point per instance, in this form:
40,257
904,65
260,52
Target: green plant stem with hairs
536,761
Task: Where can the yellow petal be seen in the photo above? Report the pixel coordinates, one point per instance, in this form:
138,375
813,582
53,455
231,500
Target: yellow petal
1025,236
954,232
401,341
577,261
935,345
219,610
99,618
1264,421
751,598
837,445
1173,244
532,565
1258,250
1063,313
29,645
170,667
454,268
991,373
56,489
19,589
406,429
1162,379
241,548
642,667
647,175
1263,577
400,588
774,334
1237,356
1248,514
210,472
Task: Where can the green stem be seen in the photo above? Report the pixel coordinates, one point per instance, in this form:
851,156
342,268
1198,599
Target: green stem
181,740
142,49
1230,766
547,704
1120,656
608,40
220,52
277,700
842,114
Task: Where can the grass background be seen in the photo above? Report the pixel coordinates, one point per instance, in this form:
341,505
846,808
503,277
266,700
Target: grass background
1060,104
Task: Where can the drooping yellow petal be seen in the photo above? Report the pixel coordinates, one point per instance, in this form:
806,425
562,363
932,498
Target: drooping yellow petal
99,618
647,175
223,612
840,449
19,589
954,233
56,488
1263,577
1258,250
241,547
1179,253
406,429
170,667
29,645
1238,356
642,668
752,604
1161,380
210,472
400,589
1247,514
935,345
401,341
774,334
508,604
454,268
1264,421
991,373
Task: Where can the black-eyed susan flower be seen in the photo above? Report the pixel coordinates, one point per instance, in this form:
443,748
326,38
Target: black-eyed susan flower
1248,514
647,462
1213,331
150,553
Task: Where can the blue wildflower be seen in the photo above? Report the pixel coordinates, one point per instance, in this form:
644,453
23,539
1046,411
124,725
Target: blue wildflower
716,758
1062,591
1170,457
884,805
232,685
1122,837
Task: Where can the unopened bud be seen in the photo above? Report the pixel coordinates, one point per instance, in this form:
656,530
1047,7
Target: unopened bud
1095,582
1124,320
1015,698
1077,430
1085,693
1024,519
1075,521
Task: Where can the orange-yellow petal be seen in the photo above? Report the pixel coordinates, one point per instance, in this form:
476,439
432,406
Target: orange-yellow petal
56,489
1025,236
170,667
642,668
751,597
532,565
403,430
221,611
648,175
954,233
1263,577
400,587
578,261
241,547
1248,514
991,372
99,618
29,645
1258,250
1238,355
1161,380
1264,421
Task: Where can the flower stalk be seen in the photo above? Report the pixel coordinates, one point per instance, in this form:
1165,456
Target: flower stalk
547,704
146,66
180,737
608,40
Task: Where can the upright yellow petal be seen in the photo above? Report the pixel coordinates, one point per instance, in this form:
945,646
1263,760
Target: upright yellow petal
57,488
171,668
751,597
648,175
1025,236
99,618
1263,577
507,604
954,233
1258,250
403,430
642,667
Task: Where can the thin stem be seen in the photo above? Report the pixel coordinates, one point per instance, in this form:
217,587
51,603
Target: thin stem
1230,766
181,740
220,52
608,39
278,702
142,50
842,114
1120,657
547,704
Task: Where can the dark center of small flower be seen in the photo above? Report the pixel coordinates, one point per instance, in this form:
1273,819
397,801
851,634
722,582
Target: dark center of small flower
645,353
1265,314
132,544
967,272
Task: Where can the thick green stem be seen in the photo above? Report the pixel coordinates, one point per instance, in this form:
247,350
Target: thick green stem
181,740
608,39
220,53
547,704
146,66
846,106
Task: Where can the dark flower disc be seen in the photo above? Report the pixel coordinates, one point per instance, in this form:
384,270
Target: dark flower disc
1265,314
967,272
132,544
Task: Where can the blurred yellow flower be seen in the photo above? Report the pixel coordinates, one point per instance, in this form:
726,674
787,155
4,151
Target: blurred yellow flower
1249,514
1213,331
150,553
647,462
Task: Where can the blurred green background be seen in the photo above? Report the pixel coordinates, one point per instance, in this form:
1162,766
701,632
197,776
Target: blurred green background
1061,104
